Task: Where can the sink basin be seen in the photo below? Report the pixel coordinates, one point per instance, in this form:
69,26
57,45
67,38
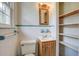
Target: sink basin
46,39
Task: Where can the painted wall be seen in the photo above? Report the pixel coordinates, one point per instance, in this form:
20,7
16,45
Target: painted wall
8,47
29,15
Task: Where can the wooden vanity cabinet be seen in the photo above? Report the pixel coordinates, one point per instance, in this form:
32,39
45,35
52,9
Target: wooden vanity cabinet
47,48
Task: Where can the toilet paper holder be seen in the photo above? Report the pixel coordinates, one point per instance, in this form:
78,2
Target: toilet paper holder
2,37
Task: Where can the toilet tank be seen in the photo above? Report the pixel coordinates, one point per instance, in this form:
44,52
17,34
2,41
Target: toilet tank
28,47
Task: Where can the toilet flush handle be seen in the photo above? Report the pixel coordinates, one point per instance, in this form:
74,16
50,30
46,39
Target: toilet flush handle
22,44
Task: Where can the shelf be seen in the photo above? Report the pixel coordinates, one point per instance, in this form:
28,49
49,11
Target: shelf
70,46
69,13
34,25
69,24
71,36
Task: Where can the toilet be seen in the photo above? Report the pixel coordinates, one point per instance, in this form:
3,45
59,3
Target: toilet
28,48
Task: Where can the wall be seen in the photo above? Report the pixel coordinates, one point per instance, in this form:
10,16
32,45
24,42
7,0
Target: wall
8,47
29,15
57,28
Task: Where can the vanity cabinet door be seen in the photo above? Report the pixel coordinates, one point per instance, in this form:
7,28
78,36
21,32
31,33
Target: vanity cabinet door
53,48
43,48
47,48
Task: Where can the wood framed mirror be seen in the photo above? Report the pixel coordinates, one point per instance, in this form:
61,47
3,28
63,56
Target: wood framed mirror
43,14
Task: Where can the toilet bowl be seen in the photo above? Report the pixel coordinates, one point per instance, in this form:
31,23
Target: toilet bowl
28,48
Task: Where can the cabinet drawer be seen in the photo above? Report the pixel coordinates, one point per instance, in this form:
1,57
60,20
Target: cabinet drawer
45,43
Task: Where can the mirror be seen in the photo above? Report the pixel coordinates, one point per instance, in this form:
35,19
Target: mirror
43,14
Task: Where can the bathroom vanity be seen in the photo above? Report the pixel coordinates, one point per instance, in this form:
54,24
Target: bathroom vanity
47,47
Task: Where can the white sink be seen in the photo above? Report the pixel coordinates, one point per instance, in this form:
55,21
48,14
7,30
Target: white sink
46,39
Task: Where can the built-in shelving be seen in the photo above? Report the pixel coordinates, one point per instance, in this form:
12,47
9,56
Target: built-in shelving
69,13
69,35
68,25
69,45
